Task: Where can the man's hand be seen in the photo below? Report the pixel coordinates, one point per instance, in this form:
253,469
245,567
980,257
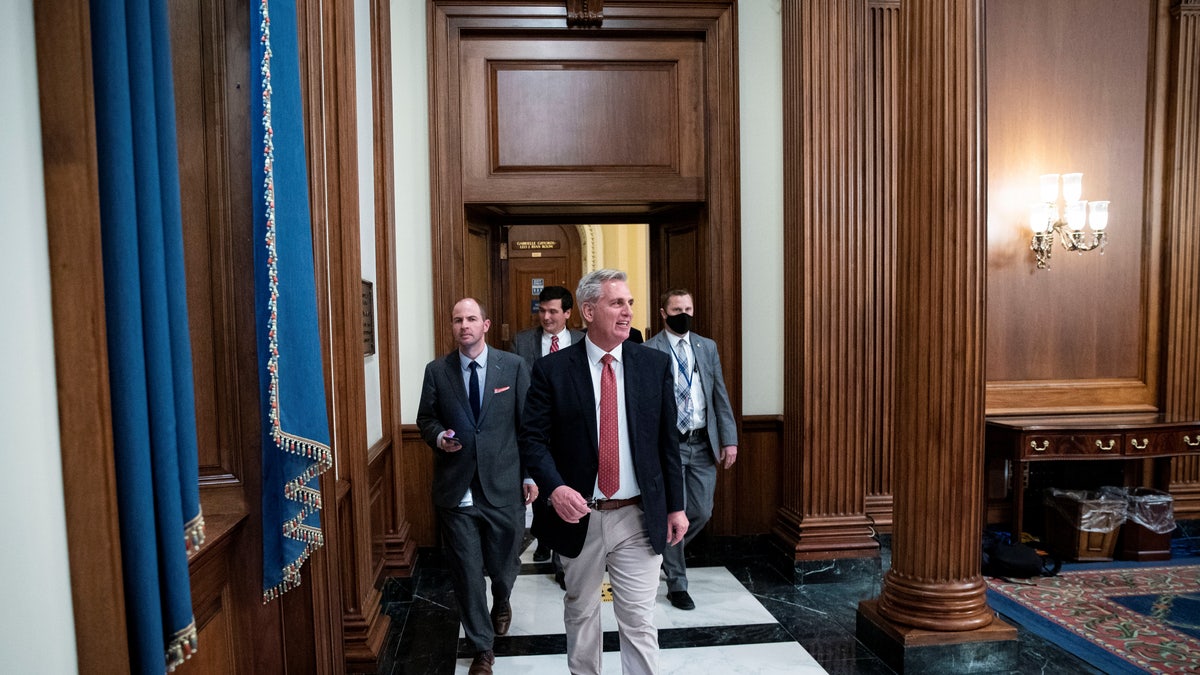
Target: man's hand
677,526
531,492
728,455
448,443
570,505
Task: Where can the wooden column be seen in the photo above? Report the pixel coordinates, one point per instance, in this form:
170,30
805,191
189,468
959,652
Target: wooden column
934,582
1181,293
832,277
884,63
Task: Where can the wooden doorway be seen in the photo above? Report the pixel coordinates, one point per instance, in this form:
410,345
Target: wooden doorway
537,256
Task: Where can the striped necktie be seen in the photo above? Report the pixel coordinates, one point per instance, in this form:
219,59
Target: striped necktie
683,388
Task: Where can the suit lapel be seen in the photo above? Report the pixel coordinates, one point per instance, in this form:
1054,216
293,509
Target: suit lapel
493,375
631,369
583,389
705,365
454,371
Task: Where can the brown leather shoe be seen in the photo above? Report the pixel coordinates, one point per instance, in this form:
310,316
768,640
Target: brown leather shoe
501,618
482,663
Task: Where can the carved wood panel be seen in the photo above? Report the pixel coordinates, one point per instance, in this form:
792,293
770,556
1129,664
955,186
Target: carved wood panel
545,117
1082,335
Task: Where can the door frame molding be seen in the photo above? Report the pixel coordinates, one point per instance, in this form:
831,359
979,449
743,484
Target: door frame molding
719,250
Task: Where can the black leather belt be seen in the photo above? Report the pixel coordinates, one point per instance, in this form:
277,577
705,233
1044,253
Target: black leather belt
610,504
693,435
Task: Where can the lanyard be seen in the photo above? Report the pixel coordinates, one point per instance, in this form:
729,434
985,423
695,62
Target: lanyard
689,374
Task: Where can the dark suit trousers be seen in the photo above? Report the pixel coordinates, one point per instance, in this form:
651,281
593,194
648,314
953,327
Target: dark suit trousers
699,486
482,539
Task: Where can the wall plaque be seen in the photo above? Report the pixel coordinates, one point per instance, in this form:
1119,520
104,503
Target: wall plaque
368,318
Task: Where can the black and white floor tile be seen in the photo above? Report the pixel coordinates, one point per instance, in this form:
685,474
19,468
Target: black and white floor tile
729,631
748,619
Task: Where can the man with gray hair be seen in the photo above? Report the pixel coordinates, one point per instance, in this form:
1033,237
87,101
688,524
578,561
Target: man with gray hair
598,436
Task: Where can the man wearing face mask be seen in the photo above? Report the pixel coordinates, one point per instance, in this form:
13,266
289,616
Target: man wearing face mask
707,427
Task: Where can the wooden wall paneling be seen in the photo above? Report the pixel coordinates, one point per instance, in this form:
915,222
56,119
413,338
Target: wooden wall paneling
1179,35
214,606
397,551
881,154
1096,342
417,458
348,530
64,62
747,497
833,279
934,582
210,43
321,607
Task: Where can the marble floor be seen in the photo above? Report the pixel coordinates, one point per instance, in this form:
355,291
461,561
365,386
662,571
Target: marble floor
748,619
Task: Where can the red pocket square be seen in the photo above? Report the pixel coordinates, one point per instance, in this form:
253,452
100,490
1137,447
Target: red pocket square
497,390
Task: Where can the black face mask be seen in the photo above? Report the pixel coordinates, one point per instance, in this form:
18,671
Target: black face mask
679,323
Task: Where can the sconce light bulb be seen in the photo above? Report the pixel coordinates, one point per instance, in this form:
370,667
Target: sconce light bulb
1048,187
1072,187
1039,218
1076,215
1098,215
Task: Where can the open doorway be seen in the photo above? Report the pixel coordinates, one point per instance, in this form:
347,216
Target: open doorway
532,257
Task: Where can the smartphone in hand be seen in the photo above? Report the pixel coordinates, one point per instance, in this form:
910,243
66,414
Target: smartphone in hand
452,443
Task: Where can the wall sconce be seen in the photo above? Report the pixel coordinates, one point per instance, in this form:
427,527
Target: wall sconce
1045,218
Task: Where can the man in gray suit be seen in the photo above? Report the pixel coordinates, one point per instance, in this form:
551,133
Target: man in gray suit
551,335
707,428
470,411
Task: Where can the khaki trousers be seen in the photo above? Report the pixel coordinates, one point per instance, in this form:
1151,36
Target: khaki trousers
617,540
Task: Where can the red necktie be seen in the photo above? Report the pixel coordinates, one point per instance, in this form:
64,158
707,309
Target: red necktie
553,343
610,446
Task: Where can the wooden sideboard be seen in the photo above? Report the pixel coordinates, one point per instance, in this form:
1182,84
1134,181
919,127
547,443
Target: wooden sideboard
1137,448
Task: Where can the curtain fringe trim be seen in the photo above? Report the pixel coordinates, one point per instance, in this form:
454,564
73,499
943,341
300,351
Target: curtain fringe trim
182,646
194,534
296,489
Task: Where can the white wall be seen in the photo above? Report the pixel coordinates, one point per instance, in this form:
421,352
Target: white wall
761,103
37,629
414,273
760,82
366,203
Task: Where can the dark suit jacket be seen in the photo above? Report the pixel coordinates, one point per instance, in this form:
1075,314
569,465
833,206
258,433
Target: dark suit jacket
722,425
528,343
489,446
559,443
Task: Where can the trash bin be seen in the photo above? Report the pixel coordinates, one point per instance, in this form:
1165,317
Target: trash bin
1082,525
1149,522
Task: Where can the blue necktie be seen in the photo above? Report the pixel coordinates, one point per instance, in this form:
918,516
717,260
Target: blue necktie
473,386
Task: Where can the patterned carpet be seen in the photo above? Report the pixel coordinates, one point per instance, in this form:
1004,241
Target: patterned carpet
1128,619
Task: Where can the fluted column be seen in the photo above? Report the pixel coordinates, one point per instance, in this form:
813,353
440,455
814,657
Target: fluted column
1181,320
831,281
935,582
883,64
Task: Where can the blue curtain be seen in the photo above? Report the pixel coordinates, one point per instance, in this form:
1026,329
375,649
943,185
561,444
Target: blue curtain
295,428
150,363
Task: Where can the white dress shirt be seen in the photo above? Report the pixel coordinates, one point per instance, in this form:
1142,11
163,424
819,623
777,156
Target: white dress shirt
564,339
629,485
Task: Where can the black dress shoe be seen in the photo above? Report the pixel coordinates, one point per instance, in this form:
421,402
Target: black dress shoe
501,619
561,578
681,600
541,553
482,663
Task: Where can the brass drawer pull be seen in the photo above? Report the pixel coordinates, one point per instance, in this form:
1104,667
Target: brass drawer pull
1144,444
1190,443
1034,445
1106,448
